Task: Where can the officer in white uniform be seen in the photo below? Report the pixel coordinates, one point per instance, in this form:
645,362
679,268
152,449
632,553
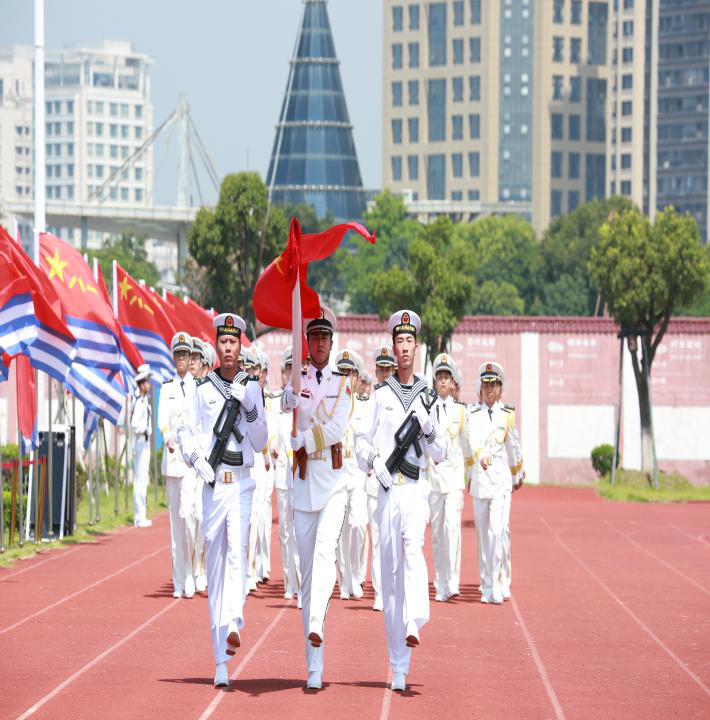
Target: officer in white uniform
265,510
141,426
174,396
403,499
228,489
496,465
447,480
352,546
196,357
320,488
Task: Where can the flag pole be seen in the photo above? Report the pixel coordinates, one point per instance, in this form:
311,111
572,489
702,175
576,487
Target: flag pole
296,353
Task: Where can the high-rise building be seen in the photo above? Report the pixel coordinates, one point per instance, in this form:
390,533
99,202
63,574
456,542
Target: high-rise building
495,106
658,144
313,160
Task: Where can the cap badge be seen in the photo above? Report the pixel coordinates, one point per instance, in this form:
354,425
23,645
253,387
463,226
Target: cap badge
444,359
384,352
489,368
346,355
181,339
405,317
229,321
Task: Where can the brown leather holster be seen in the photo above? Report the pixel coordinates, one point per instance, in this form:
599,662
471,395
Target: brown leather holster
336,458
302,460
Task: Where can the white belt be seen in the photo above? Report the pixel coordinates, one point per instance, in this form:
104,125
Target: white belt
232,474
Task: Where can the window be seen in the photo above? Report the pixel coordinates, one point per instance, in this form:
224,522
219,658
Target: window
556,203
457,127
474,164
457,86
556,164
457,195
557,126
625,161
626,107
139,112
413,167
70,149
457,165
436,177
70,170
49,170
573,165
396,132
627,28
113,130
396,94
572,200
575,89
113,109
596,109
49,108
475,12
89,106
397,18
557,82
627,82
113,193
124,132
70,107
595,176
413,87
436,110
596,33
474,194
474,126
626,135
70,128
413,48
414,17
437,34
49,192
574,127
626,187
558,15
124,152
139,195
124,110
139,174
99,126
99,107
124,193
99,150
558,44
576,14
397,56
458,51
458,13
575,50
396,168
99,171
139,132
413,127
474,46
113,151
57,106
70,192
627,55
474,88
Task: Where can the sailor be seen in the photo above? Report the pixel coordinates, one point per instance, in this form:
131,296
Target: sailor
384,367
281,453
142,429
447,480
228,488
174,396
402,502
324,404
495,466
352,547
265,512
196,357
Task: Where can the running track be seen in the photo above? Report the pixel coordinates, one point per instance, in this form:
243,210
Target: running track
610,618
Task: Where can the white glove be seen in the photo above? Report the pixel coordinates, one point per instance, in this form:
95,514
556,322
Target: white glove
204,470
381,472
297,441
423,416
239,391
290,398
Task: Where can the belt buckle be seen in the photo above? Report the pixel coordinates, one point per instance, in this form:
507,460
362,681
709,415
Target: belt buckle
401,479
227,477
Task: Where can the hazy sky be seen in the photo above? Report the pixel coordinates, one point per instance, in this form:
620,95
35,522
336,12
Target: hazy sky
230,57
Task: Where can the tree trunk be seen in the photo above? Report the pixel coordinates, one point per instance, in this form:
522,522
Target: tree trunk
644,396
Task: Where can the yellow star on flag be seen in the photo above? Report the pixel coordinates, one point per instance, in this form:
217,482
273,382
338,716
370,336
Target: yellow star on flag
124,286
56,265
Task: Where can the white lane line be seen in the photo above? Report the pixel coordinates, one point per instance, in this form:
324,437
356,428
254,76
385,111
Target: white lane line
698,538
631,613
97,659
220,696
83,590
387,697
638,545
559,714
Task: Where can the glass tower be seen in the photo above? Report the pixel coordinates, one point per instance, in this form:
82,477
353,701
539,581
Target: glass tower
313,159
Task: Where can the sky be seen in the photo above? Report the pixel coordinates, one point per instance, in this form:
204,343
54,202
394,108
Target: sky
230,58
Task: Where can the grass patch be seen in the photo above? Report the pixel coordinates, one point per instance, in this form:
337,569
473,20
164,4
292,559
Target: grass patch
635,486
108,522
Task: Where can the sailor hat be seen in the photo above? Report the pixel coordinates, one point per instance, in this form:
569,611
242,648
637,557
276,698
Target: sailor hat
491,372
181,341
262,357
198,346
287,358
324,323
383,356
404,321
443,361
229,324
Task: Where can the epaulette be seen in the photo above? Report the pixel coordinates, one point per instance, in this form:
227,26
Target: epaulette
458,402
476,409
508,407
201,381
337,372
363,398
165,382
380,385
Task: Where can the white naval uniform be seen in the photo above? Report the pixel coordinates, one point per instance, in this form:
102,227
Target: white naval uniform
319,500
352,567
142,428
226,507
255,557
372,485
402,515
491,434
266,508
174,396
447,480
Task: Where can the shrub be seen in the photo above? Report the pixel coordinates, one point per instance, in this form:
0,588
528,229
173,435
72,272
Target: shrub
602,459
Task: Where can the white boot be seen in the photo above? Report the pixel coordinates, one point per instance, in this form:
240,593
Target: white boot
399,682
221,675
315,680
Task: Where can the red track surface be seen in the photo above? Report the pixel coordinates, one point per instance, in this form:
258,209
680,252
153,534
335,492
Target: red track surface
610,618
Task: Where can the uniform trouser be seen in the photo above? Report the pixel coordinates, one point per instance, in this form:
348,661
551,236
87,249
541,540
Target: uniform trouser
264,523
253,571
141,478
445,511
376,569
191,512
226,510
490,524
352,540
506,567
289,556
402,514
181,557
317,536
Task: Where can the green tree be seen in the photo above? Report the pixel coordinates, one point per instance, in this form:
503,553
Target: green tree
431,282
496,298
561,271
129,252
235,241
644,272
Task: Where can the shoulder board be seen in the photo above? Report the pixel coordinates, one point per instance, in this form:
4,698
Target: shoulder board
456,402
508,406
380,385
337,372
165,382
476,409
363,398
201,381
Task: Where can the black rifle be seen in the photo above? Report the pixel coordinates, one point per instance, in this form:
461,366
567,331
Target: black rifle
223,428
407,435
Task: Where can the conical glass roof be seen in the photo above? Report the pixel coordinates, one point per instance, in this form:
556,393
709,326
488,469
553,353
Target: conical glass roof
314,154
